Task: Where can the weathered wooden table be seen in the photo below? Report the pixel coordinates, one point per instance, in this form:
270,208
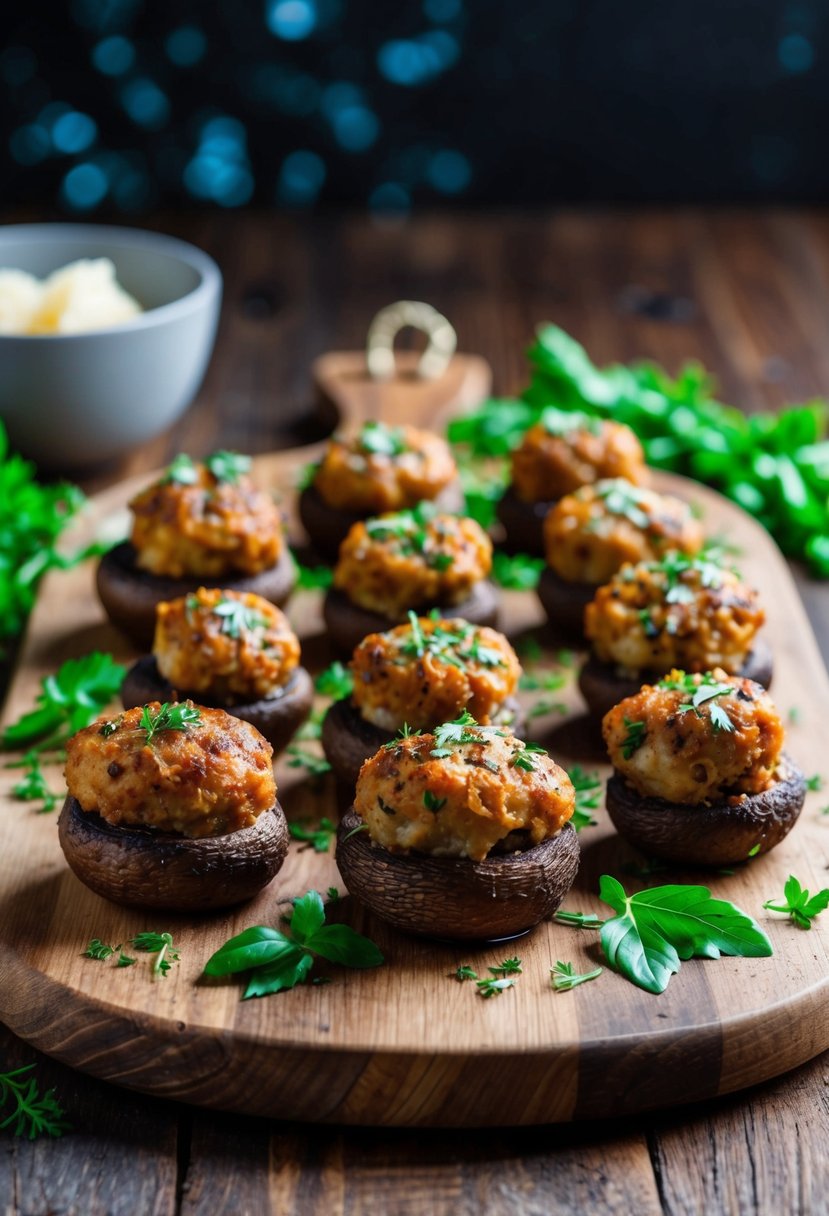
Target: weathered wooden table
747,295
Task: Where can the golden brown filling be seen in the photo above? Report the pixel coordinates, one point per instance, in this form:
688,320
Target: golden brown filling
233,646
200,523
428,671
460,791
384,468
696,738
412,559
590,534
556,457
684,612
210,775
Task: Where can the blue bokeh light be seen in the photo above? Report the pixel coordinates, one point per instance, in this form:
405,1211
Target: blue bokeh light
185,46
414,61
355,128
219,171
389,198
84,187
291,20
74,132
113,56
449,171
30,144
441,10
300,179
145,103
795,53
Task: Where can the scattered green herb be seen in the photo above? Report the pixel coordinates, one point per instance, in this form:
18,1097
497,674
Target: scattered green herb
464,972
181,470
588,787
171,716
159,944
510,966
99,950
314,764
414,533
432,802
379,440
563,976
815,782
32,1114
228,466
332,894
493,987
237,617
517,571
794,715
635,737
320,837
800,905
68,701
460,731
278,961
405,732
32,786
578,920
313,578
755,849
702,690
523,757
336,681
124,960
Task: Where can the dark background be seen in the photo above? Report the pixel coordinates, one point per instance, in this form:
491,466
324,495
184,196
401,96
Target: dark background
117,106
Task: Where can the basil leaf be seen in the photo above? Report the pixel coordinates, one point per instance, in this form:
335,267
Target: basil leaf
340,944
655,929
255,947
286,973
308,917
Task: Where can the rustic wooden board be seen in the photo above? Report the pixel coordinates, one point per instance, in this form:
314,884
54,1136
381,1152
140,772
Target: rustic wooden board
406,1044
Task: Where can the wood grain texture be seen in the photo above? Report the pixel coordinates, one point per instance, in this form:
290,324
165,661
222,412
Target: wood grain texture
405,1044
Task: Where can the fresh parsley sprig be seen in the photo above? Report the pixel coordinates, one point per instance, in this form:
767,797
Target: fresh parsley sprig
636,734
159,944
68,701
32,786
377,439
320,837
32,1114
516,571
170,716
228,467
280,960
801,907
464,972
701,690
563,976
312,578
336,681
237,617
314,764
588,787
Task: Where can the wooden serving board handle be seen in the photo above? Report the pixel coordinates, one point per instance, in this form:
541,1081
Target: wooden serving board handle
342,381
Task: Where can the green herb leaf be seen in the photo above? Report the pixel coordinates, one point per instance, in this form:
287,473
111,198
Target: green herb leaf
379,440
579,920
635,737
161,945
815,782
314,764
801,907
237,617
563,976
32,1114
68,700
464,972
181,470
171,716
588,787
510,966
432,802
312,578
493,986
99,950
291,969
32,786
320,837
336,681
517,571
228,466
308,917
654,930
258,946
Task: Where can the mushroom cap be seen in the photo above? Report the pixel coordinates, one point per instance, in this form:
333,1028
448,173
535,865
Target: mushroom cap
602,687
564,602
348,739
347,623
455,898
523,522
129,595
276,717
141,868
328,526
719,833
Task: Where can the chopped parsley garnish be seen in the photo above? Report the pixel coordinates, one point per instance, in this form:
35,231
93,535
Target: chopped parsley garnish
432,802
510,966
32,786
456,645
411,532
563,976
517,571
707,565
320,838
405,732
623,498
99,950
228,466
336,681
493,986
459,732
180,470
278,961
701,691
464,972
171,716
314,764
801,907
237,617
815,782
31,1114
523,757
635,737
159,944
312,578
588,787
380,440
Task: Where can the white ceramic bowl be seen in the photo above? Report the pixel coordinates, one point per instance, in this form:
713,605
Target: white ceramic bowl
71,400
